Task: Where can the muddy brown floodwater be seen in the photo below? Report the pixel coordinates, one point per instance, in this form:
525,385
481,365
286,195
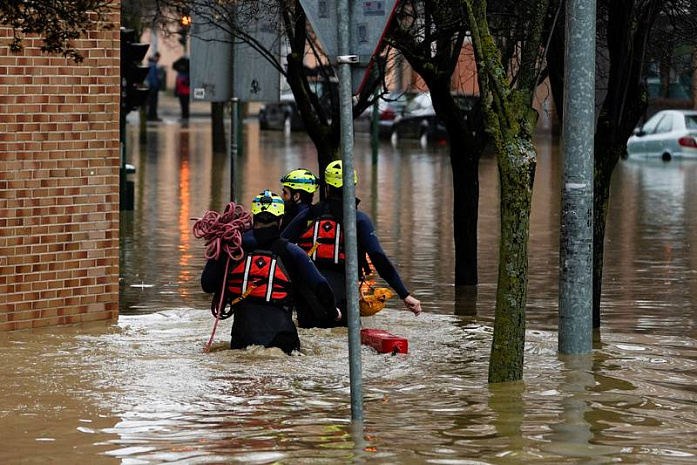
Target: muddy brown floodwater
140,390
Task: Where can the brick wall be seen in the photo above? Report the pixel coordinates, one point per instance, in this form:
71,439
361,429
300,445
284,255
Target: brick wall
59,182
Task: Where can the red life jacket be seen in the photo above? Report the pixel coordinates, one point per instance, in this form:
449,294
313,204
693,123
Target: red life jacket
328,234
262,275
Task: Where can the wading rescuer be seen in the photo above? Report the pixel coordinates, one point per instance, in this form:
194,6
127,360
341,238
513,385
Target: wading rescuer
318,230
262,285
299,187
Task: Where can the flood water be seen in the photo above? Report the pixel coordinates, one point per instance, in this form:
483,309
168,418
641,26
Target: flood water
140,390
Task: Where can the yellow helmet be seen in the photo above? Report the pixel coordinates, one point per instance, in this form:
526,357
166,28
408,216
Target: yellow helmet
334,172
301,179
268,202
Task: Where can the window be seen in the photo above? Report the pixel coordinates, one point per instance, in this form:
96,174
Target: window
691,121
665,125
650,126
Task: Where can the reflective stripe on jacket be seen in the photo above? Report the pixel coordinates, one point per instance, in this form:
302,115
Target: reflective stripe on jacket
262,276
325,238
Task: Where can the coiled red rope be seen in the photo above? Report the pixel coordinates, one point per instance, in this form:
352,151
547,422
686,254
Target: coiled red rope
223,235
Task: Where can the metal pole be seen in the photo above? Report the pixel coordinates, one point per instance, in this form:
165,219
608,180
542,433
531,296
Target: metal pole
349,191
233,118
374,131
576,241
233,147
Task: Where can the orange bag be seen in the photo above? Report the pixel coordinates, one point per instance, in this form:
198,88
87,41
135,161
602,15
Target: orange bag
372,303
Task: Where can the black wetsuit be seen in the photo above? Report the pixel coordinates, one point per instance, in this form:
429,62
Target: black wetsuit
265,323
292,210
368,243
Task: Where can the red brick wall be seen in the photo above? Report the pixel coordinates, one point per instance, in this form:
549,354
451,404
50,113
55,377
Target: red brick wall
59,182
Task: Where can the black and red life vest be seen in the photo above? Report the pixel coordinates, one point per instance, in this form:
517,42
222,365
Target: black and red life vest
326,236
260,277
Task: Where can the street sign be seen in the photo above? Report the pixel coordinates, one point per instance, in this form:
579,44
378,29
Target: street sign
368,22
256,79
212,67
210,71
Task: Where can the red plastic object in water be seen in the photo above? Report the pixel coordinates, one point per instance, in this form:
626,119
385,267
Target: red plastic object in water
384,342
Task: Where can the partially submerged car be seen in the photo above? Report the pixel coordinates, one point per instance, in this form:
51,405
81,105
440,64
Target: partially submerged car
284,114
390,107
419,120
667,134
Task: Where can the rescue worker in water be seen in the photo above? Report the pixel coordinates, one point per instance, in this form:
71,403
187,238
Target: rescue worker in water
298,189
271,274
318,230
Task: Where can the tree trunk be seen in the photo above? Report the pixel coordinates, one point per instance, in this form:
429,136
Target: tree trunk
516,173
601,200
465,167
610,145
465,151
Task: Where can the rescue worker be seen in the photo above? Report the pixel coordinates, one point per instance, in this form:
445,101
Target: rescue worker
299,187
264,283
318,230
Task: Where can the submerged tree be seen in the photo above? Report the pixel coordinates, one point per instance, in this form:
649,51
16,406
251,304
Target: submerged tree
430,36
57,22
507,97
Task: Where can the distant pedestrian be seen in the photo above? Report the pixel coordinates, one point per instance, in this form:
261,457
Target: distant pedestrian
182,86
154,85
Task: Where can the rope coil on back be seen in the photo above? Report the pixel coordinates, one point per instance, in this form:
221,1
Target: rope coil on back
223,233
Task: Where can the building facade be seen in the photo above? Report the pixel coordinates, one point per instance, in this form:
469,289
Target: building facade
59,182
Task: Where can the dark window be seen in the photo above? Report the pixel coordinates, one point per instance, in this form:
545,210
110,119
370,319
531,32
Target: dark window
691,121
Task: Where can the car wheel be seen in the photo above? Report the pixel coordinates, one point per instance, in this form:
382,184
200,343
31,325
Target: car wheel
666,156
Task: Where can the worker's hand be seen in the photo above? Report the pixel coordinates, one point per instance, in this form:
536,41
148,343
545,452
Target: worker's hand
413,304
338,313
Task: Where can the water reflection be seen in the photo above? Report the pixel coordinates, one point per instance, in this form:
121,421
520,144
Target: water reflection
466,300
574,436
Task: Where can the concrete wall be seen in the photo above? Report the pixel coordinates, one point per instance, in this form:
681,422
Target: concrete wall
59,182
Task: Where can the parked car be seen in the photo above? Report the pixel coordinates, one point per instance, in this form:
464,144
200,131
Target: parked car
419,120
667,134
284,114
390,107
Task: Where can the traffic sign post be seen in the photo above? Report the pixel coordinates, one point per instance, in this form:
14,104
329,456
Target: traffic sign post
350,43
345,60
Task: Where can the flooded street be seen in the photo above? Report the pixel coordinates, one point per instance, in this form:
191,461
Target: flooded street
141,391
